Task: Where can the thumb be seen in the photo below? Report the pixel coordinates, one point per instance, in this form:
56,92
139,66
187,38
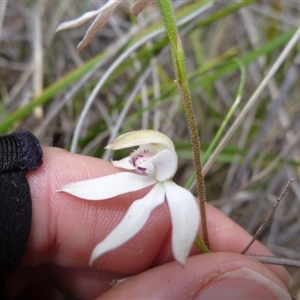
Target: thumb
205,276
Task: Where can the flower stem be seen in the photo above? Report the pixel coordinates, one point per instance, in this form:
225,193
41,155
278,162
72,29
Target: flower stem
201,245
168,16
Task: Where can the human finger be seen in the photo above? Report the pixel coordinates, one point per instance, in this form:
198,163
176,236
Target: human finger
65,229
208,276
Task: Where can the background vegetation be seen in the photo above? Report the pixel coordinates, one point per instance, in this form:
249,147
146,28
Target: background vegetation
126,77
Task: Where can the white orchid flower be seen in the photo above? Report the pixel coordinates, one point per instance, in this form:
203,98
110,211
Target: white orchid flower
154,163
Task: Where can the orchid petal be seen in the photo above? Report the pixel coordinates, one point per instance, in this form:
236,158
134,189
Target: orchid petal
108,186
141,137
123,163
185,219
135,218
165,162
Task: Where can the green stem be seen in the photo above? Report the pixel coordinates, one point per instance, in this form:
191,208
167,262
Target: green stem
200,245
167,14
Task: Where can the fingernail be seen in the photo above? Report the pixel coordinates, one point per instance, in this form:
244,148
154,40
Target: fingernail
242,284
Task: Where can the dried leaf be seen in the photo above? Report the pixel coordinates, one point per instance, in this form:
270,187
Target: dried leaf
77,22
103,15
140,5
99,22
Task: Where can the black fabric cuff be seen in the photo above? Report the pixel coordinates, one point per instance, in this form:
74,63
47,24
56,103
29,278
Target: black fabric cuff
20,152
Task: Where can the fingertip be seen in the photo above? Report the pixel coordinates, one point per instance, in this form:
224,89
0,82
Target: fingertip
204,277
243,283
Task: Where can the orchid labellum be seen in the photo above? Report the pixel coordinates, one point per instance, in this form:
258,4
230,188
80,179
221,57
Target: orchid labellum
154,163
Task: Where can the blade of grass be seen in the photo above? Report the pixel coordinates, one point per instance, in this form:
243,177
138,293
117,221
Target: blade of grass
221,130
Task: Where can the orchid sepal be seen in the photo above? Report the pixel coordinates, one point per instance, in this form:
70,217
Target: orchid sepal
105,187
139,138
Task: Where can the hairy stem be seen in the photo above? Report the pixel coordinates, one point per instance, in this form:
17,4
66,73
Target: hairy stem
167,13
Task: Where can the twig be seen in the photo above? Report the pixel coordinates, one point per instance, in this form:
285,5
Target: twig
287,262
264,223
